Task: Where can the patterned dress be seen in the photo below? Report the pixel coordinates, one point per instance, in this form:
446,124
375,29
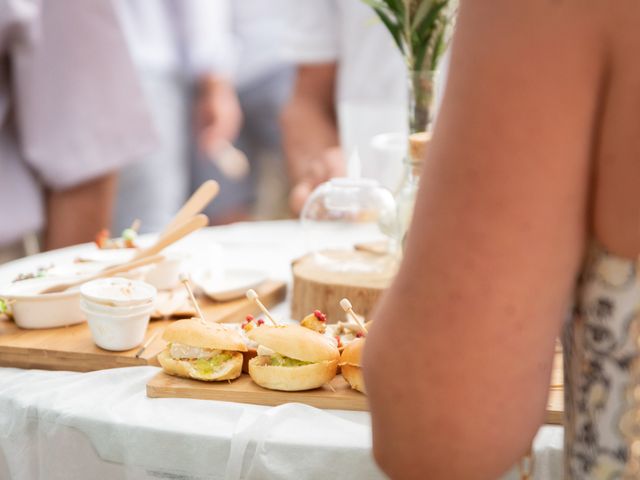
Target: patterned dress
600,352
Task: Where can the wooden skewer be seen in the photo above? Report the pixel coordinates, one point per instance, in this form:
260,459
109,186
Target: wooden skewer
348,308
185,281
254,297
147,343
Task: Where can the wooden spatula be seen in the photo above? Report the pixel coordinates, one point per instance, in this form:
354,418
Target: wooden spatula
196,203
171,236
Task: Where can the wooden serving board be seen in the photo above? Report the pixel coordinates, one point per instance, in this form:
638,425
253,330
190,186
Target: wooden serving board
243,390
555,403
72,348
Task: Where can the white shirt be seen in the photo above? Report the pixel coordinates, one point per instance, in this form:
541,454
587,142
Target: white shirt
180,36
260,28
71,108
371,86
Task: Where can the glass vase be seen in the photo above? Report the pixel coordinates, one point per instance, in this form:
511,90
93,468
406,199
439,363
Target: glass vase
421,99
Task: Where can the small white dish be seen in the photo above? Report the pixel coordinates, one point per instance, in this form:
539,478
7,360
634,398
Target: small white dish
117,332
166,274
32,310
118,292
229,284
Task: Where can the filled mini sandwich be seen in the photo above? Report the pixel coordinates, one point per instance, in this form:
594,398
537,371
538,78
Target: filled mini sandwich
292,358
203,351
350,364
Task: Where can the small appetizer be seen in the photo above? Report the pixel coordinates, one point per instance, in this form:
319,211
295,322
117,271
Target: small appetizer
316,321
249,323
344,333
351,366
292,358
203,351
127,239
341,333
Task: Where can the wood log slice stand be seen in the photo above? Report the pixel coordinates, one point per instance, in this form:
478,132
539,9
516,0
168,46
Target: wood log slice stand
322,279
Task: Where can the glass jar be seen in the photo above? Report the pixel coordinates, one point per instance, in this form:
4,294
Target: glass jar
421,86
408,189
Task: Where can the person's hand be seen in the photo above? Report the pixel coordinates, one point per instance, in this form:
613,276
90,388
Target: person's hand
218,114
328,165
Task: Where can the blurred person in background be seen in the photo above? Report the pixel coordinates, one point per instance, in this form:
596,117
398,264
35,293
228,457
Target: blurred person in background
70,115
350,85
264,80
185,56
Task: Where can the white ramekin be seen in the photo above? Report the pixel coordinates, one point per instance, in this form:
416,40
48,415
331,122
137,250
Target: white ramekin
117,332
117,311
118,292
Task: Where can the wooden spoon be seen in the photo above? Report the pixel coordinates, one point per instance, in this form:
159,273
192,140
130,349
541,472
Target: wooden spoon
171,236
196,203
109,272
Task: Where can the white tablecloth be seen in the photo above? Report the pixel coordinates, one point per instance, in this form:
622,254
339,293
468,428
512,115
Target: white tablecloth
66,425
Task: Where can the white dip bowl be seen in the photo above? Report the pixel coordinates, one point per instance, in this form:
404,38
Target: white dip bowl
165,275
118,311
34,311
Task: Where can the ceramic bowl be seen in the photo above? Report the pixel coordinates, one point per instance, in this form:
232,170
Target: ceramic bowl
117,332
33,311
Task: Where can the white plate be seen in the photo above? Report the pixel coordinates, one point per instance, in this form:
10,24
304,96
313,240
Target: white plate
109,255
230,284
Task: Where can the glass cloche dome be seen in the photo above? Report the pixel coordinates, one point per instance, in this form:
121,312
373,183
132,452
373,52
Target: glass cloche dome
344,213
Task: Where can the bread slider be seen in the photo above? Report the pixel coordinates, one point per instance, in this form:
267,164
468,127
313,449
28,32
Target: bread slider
292,358
203,351
351,366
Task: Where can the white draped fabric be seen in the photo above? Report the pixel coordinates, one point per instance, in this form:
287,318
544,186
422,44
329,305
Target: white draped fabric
65,425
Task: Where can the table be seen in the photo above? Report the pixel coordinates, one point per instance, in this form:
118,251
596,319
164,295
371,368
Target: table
101,425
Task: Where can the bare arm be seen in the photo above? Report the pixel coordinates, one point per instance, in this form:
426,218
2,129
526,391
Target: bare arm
459,358
310,132
75,215
218,113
